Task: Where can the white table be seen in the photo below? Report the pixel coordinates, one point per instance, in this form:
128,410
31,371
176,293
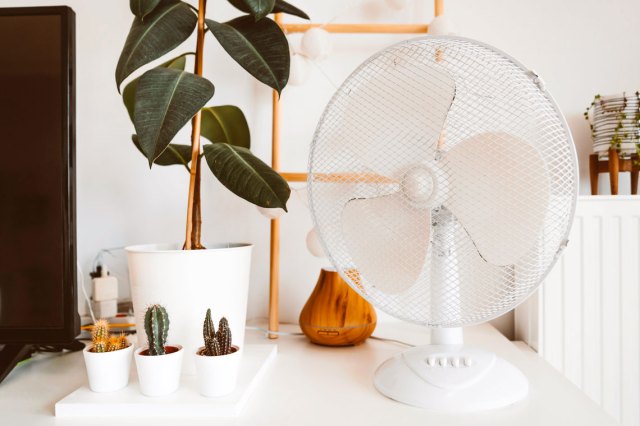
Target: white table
314,385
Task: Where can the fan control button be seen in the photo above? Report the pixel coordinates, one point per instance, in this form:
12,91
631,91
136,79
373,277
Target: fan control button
455,361
468,361
431,361
442,361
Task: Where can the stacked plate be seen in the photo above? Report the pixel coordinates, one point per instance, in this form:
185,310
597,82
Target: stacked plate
615,122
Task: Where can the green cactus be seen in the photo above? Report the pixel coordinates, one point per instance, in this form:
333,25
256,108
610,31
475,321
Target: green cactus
100,346
156,325
100,331
216,343
223,336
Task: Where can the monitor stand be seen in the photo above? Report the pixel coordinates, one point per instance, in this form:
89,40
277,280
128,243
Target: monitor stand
10,355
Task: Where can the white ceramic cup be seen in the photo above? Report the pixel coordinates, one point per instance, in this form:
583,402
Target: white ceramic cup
108,371
159,375
217,375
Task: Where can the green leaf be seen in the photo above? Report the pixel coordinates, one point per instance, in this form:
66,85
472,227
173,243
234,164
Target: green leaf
174,154
166,99
129,92
225,124
258,8
284,7
142,8
171,23
280,6
247,176
259,47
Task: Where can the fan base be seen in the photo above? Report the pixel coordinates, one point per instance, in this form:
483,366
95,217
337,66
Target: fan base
451,378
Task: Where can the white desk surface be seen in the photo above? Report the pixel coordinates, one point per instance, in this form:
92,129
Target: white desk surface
314,385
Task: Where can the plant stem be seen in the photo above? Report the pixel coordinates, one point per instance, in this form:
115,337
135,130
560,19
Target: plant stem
192,238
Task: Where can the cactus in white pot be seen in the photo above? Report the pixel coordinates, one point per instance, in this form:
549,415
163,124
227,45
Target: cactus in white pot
159,364
218,361
108,359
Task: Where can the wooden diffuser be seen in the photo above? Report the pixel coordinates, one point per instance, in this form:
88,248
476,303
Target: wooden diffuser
335,315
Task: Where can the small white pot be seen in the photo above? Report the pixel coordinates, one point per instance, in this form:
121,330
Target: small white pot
187,283
159,375
217,375
108,371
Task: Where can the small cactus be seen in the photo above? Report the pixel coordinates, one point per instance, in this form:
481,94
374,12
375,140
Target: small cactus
156,325
100,346
100,331
216,343
224,336
103,341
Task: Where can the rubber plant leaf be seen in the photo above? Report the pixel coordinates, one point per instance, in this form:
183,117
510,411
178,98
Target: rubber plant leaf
259,47
142,8
226,124
129,92
174,154
284,7
258,8
247,176
166,99
171,23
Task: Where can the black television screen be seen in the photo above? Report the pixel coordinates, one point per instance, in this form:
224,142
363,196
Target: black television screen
38,301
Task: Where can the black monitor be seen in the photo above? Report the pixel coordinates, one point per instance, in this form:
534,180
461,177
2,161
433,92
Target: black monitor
38,302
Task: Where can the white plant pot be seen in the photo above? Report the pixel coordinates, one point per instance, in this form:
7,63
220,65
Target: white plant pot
159,375
187,283
108,371
217,375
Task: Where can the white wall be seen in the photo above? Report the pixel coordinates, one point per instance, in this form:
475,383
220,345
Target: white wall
579,47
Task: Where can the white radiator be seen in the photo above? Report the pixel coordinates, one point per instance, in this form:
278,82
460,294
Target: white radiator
585,319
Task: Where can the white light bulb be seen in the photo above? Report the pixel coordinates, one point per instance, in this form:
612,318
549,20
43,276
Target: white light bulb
316,44
299,70
270,213
441,25
313,244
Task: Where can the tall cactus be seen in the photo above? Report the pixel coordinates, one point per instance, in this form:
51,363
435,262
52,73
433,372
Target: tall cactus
224,336
216,343
156,325
100,331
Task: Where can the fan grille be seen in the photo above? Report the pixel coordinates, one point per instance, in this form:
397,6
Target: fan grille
494,159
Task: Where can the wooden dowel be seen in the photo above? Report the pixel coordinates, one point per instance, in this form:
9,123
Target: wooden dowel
274,263
359,28
339,177
438,7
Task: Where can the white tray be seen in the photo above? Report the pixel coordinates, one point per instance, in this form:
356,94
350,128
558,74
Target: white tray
186,402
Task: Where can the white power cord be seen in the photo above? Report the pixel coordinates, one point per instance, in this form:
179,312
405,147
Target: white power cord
84,291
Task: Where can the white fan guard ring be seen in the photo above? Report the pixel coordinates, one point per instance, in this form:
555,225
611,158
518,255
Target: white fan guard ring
442,181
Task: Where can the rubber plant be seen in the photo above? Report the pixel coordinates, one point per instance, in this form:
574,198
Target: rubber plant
162,100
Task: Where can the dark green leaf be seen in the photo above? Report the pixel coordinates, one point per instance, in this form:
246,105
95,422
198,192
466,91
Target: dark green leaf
129,92
166,99
247,176
171,23
258,8
284,7
225,124
174,154
280,6
259,47
142,8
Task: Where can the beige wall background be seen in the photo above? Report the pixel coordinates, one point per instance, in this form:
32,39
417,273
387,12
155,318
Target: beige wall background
579,47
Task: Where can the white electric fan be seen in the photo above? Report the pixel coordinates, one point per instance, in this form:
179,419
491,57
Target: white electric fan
442,184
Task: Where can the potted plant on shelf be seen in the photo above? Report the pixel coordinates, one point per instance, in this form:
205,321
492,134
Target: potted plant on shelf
164,99
159,364
218,361
108,359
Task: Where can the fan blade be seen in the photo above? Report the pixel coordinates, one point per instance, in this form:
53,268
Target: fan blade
499,191
387,239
